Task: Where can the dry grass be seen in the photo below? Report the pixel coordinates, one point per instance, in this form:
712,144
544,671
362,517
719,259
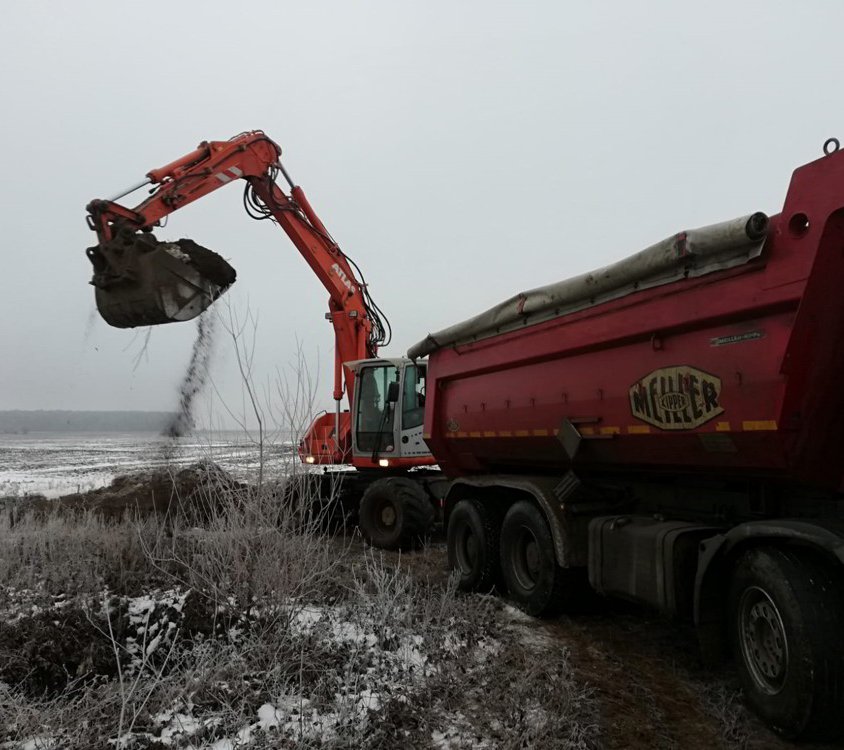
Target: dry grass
69,554
251,623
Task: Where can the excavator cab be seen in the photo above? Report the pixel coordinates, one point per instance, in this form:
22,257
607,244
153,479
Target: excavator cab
140,281
388,413
384,428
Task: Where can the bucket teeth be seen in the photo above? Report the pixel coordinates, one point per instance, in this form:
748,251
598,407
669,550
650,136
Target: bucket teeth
139,281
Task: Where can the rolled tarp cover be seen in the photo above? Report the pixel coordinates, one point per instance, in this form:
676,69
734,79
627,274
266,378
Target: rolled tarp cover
687,254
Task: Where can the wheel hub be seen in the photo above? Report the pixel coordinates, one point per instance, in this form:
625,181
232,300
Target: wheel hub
527,560
763,640
388,516
467,551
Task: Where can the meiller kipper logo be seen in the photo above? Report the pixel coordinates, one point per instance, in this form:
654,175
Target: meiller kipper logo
676,398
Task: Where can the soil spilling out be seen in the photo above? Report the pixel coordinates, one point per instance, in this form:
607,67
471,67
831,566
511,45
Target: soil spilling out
211,265
89,325
194,379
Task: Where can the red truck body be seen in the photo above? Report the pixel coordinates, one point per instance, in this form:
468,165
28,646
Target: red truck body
739,370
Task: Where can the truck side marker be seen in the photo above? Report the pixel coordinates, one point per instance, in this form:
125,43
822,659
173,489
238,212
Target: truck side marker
633,429
763,424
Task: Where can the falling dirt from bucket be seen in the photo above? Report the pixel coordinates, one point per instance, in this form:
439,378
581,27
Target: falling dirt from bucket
195,377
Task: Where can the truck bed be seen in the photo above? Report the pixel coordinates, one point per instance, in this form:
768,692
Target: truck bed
727,361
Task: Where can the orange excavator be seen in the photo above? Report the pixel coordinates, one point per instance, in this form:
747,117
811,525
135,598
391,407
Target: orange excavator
141,281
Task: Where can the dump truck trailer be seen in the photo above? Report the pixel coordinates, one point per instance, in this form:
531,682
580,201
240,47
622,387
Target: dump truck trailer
671,429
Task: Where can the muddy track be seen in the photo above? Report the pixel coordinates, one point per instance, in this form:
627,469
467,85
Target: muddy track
653,690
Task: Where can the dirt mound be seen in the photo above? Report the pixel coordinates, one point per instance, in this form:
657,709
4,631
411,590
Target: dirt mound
43,653
195,490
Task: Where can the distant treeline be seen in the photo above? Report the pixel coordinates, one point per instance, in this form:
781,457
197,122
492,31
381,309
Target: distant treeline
84,421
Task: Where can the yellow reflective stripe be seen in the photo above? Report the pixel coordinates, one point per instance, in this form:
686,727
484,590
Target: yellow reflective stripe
760,424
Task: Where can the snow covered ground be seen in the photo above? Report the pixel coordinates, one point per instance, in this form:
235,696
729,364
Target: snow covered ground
54,464
386,672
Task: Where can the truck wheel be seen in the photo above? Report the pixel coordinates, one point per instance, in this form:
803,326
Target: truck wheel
394,512
473,532
786,617
528,563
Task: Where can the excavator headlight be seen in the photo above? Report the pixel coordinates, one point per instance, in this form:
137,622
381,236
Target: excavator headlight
310,460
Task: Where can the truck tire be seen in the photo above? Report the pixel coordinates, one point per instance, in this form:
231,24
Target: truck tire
786,617
394,513
528,564
473,550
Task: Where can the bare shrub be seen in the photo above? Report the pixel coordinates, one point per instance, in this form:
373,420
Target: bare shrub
256,546
78,554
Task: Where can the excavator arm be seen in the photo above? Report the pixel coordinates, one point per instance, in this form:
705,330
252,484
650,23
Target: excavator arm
137,278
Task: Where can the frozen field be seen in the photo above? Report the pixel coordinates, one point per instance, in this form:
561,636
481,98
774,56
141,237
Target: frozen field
55,463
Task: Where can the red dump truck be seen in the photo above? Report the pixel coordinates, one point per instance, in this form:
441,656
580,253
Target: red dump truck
671,426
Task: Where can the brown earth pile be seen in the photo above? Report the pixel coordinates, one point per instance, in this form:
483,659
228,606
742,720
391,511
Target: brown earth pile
195,491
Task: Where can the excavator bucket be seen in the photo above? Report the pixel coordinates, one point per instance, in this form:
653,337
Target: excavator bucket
140,281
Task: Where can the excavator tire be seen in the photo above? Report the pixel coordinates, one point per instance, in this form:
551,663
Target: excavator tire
395,513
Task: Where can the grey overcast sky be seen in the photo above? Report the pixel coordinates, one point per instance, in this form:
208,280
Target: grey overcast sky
459,152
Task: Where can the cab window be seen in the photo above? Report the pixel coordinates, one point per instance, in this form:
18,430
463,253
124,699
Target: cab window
413,397
372,405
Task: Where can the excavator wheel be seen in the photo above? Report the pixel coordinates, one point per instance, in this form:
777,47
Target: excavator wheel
395,512
140,281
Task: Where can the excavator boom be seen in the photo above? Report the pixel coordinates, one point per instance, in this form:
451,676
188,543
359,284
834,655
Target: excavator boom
141,281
